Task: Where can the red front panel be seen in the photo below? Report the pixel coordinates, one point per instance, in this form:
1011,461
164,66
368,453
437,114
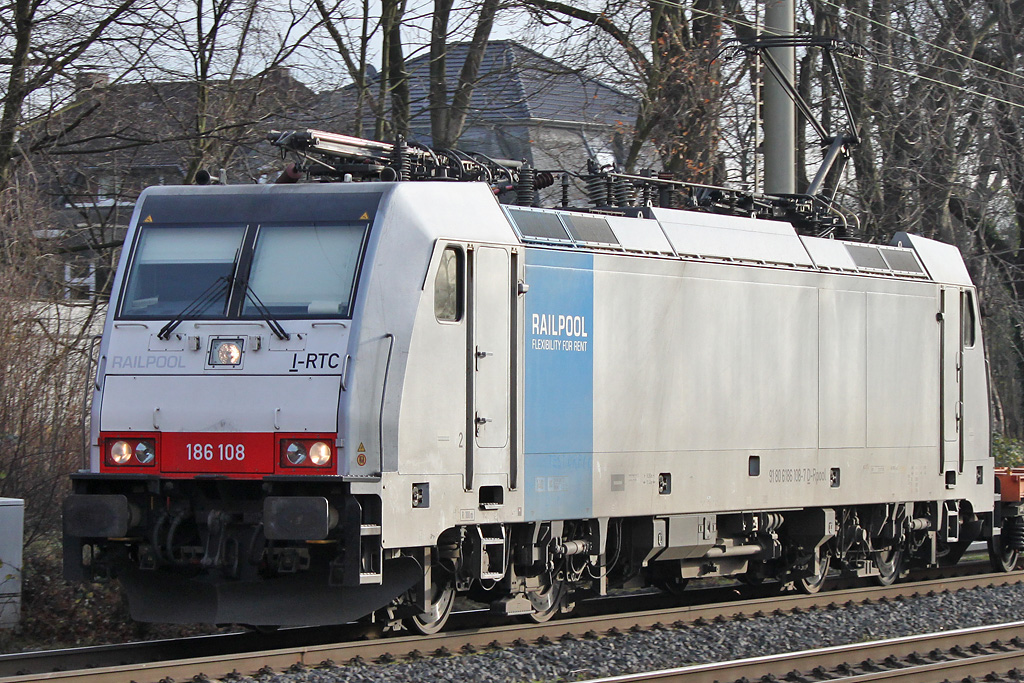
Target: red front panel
218,452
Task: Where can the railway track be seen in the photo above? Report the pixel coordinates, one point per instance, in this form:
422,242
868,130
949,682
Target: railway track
214,656
989,653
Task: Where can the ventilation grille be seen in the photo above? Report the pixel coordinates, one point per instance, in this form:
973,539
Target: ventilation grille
561,228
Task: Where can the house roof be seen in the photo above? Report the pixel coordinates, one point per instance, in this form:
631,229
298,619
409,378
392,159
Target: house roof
516,84
151,124
147,129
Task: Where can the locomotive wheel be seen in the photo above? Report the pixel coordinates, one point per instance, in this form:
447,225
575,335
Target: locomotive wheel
889,563
547,602
674,586
809,585
433,620
749,579
666,576
1003,559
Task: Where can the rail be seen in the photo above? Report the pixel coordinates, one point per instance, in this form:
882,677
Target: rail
472,637
983,652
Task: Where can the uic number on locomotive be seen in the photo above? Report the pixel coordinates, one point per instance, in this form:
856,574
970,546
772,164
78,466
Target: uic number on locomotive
223,451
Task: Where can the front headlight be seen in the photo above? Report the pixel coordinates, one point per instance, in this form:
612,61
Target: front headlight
120,452
226,352
130,451
144,452
295,453
306,453
320,453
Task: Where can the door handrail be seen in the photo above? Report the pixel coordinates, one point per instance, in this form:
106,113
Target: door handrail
383,395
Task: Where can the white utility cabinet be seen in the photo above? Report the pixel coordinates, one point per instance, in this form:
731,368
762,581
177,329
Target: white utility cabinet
12,521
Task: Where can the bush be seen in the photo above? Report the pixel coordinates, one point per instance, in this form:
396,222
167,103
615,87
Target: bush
44,368
1007,452
56,613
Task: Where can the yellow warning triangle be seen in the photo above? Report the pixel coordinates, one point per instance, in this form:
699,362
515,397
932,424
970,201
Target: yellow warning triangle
365,216
149,219
361,449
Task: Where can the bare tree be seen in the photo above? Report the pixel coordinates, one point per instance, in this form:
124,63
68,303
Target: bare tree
670,49
355,53
233,53
45,40
402,33
940,104
448,113
44,356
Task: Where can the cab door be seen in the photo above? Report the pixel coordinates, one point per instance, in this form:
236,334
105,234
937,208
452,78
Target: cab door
489,361
952,382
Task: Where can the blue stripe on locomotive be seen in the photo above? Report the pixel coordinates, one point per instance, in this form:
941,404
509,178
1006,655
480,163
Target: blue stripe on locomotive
558,419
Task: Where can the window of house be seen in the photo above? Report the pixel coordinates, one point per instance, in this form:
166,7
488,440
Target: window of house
79,279
448,286
108,185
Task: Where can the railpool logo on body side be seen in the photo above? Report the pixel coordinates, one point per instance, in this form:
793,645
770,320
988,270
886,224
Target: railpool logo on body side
558,420
558,332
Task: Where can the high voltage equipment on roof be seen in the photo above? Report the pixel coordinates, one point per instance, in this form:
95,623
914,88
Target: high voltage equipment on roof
342,157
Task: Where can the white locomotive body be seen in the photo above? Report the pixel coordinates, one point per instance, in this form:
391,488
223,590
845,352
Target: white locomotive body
320,401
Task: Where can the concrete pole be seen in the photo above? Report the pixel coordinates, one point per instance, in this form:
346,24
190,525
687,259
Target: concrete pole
779,110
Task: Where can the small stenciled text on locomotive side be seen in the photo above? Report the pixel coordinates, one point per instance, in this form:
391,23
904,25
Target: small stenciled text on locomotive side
798,475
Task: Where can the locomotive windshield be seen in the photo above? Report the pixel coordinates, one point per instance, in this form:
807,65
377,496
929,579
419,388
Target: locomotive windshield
305,270
173,266
296,271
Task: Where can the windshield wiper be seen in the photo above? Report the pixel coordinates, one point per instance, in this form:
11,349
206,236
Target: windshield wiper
272,322
211,294
197,306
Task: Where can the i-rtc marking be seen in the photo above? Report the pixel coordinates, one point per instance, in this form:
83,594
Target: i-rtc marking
222,452
315,361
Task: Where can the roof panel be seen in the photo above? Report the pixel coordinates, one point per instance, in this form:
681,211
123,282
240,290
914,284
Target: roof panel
942,261
827,253
902,260
732,237
640,234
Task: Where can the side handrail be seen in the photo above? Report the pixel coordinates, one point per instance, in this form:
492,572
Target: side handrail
383,395
86,395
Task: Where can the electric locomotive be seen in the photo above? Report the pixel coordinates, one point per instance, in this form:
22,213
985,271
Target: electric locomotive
317,402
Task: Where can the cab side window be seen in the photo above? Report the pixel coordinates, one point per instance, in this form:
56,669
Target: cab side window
448,286
969,321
